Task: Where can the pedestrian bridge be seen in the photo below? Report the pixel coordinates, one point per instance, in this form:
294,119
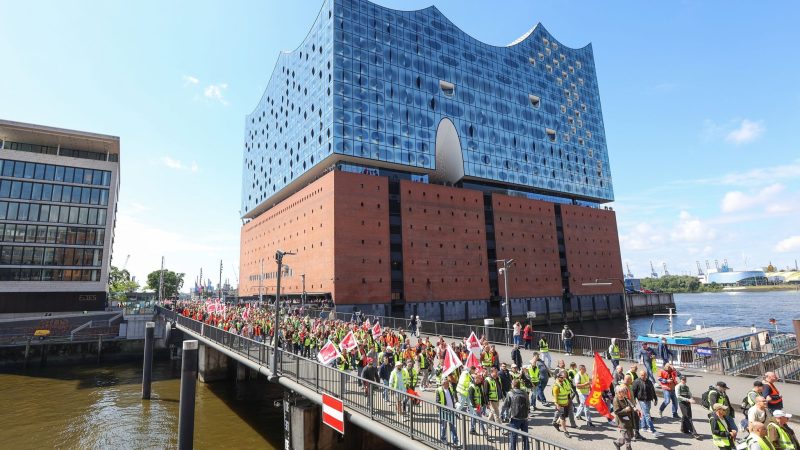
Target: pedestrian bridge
364,407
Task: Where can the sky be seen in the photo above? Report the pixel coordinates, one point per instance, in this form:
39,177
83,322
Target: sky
700,102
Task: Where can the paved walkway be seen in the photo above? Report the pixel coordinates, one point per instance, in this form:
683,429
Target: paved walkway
673,438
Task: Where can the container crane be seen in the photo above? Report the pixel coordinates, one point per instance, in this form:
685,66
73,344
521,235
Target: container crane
699,270
666,272
653,272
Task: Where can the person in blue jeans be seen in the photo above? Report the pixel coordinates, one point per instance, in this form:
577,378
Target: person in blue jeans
516,407
644,392
646,355
446,396
566,336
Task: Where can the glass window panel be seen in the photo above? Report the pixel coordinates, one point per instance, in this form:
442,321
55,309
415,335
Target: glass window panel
3,210
5,254
85,194
16,256
5,188
52,234
69,174
97,177
19,169
98,257
80,237
106,178
44,213
101,216
30,234
38,255
61,236
8,169
27,255
69,256
48,256
92,220
63,214
59,176
49,172
95,200
29,170
27,189
33,212
16,189
78,176
104,197
47,192
12,211
87,176
41,234
57,192
10,232
37,191
76,195
82,216
58,257
101,237
22,214
20,234
66,193
71,234
73,214
47,274
85,275
53,214
90,236
88,257
39,172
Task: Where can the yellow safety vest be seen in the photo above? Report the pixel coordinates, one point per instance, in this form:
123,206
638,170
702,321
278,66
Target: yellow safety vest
584,379
543,347
784,440
561,393
486,359
720,441
477,395
463,384
493,394
614,352
533,374
393,379
517,376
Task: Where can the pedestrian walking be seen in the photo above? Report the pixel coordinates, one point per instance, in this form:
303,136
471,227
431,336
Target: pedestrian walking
664,352
771,393
719,396
786,438
614,354
527,336
723,428
647,356
626,416
583,385
478,401
757,439
685,399
562,393
493,387
645,393
516,356
515,407
531,377
544,352
749,401
517,334
445,396
668,379
566,337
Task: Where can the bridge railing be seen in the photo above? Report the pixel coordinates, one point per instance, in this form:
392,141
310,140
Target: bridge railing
721,360
418,418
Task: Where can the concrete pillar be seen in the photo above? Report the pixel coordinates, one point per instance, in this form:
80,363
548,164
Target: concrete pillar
241,372
212,365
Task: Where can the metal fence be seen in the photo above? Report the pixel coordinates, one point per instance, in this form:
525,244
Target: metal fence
417,418
721,360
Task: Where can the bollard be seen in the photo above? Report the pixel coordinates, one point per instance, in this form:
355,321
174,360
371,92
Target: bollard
147,374
188,384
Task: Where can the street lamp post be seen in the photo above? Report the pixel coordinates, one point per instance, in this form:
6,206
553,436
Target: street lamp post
504,270
279,259
608,282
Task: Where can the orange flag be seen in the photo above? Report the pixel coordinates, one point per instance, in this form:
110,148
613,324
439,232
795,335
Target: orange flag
601,379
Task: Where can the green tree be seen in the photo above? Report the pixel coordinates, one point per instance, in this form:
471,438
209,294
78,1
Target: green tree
120,283
678,284
173,282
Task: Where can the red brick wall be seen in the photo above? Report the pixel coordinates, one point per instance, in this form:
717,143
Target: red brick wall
525,230
303,224
444,243
363,273
592,248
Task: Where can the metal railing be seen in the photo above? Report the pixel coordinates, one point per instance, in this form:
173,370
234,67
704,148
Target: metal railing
722,360
418,418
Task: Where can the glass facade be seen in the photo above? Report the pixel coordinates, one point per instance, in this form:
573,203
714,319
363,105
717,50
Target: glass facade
371,83
52,220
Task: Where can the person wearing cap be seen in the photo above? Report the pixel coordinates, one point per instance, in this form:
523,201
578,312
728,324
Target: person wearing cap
750,400
398,381
684,396
757,439
786,439
719,396
566,336
723,428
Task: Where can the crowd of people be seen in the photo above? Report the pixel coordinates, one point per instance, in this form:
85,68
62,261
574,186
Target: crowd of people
512,392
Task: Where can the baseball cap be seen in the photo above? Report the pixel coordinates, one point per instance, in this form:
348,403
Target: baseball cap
720,406
722,384
513,366
781,413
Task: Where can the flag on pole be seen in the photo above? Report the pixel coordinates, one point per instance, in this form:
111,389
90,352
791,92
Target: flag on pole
367,325
473,344
376,331
451,362
472,361
328,353
349,342
601,379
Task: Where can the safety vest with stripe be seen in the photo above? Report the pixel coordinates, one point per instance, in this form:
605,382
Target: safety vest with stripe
518,376
493,393
486,359
784,440
393,381
463,383
721,441
533,374
440,398
543,347
562,394
423,363
584,379
477,395
774,392
614,352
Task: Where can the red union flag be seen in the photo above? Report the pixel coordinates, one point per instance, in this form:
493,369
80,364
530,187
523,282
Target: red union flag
367,325
349,342
472,361
451,362
333,413
328,353
473,344
601,380
376,331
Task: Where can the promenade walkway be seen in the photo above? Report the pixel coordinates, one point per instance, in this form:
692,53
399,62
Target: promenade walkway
698,381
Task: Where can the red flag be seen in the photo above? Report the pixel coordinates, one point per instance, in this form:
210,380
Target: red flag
473,344
472,361
376,331
601,379
451,362
349,342
328,353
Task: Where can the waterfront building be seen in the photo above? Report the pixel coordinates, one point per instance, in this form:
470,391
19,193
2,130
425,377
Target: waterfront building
58,199
401,158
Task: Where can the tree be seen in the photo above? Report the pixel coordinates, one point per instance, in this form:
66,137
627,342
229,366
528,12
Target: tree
173,282
120,283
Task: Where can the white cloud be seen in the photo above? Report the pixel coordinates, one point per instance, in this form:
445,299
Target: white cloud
215,92
747,131
789,244
691,229
641,236
178,165
737,201
753,177
188,79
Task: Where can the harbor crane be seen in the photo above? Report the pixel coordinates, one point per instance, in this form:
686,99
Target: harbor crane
699,270
653,272
666,272
629,274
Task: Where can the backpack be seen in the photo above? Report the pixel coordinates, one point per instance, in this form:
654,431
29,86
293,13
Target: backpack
704,398
519,407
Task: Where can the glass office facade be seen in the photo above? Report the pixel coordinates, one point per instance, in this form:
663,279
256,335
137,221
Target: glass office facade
52,219
373,83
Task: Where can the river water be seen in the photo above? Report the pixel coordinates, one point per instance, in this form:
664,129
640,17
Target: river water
100,407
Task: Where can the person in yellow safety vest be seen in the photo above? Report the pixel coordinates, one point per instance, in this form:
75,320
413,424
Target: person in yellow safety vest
786,439
614,354
486,358
462,389
478,398
413,375
343,365
446,395
517,375
398,380
422,363
544,351
757,439
562,393
633,372
583,384
723,428
493,388
531,376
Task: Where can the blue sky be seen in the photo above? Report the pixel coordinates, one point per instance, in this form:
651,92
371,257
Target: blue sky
700,101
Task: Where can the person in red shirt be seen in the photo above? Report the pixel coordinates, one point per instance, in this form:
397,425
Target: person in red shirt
668,379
